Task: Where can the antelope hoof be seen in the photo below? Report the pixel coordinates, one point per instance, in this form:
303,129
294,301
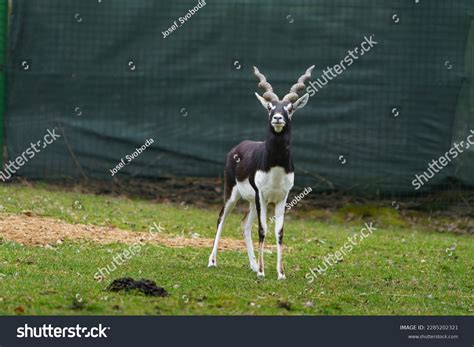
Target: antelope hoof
281,277
212,263
260,274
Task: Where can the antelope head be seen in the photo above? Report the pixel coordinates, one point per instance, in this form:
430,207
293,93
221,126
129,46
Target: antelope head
280,112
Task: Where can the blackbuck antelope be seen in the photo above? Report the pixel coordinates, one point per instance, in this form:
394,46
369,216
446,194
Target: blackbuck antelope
262,173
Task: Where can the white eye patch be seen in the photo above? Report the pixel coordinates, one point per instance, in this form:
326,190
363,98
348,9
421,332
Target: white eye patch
288,108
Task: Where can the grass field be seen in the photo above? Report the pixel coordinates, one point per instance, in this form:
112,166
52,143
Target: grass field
399,269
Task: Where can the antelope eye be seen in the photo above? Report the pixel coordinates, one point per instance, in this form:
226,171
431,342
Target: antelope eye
269,107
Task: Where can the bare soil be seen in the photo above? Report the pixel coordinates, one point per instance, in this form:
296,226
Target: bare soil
454,202
40,231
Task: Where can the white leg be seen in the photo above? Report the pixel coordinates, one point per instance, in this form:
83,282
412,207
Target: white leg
229,205
280,216
262,231
248,236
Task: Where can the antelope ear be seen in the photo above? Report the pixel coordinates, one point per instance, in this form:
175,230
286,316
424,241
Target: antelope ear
265,103
301,102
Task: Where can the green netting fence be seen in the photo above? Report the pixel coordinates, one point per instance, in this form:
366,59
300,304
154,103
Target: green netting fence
103,74
3,56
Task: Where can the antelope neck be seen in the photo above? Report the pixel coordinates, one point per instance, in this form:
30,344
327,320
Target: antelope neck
277,149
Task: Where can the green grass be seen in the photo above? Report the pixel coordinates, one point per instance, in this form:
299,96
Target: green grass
396,270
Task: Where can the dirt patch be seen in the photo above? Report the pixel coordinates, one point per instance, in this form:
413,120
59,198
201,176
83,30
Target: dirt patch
446,210
40,231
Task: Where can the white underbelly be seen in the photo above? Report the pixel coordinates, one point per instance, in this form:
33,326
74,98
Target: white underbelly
275,184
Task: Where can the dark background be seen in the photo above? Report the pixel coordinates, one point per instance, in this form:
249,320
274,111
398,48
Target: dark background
186,92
